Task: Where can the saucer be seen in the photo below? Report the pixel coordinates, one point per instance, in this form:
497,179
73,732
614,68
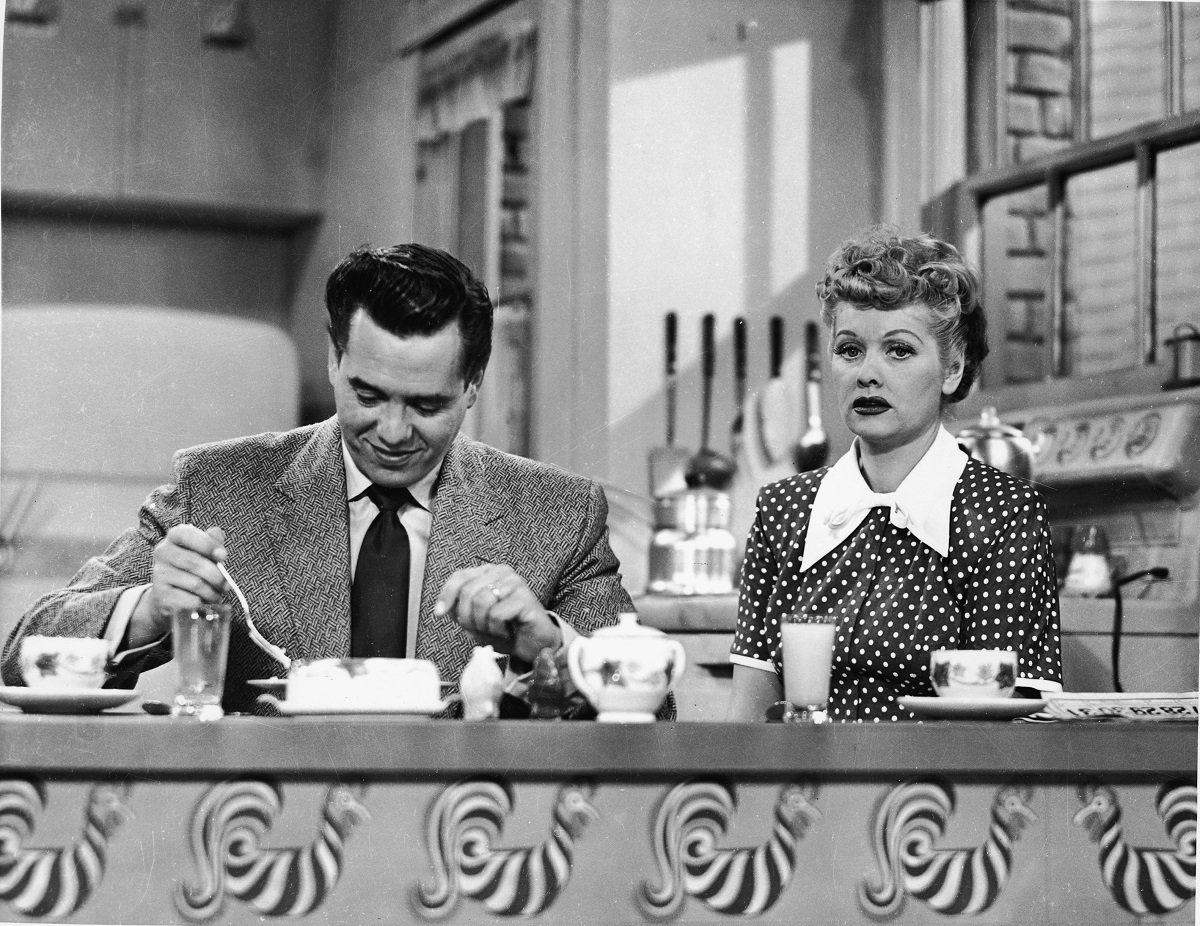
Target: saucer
971,708
414,711
65,701
278,684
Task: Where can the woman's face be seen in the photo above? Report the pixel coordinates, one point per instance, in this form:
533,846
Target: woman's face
888,374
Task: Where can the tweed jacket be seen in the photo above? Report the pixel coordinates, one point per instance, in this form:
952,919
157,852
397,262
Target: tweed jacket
281,500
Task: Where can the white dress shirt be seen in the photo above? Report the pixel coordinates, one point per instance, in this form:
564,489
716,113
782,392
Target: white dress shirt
416,519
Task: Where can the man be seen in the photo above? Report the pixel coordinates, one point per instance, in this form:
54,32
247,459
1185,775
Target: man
498,550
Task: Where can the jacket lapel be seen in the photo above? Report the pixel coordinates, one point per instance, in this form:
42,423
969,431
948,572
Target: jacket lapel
311,543
309,533
468,517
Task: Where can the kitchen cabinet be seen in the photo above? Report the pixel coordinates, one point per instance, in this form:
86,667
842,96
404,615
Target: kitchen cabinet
136,105
232,125
64,103
703,625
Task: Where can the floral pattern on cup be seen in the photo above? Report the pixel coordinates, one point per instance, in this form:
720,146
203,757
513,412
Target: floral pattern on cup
973,673
632,674
986,674
64,662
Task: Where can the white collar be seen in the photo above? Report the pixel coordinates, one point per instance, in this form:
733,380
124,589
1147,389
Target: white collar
357,483
921,503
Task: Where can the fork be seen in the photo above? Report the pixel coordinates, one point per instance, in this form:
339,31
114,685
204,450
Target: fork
275,652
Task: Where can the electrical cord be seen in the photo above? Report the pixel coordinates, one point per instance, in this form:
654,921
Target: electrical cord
1155,572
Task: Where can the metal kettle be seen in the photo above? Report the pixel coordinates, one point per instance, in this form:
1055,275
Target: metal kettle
1185,343
693,551
997,444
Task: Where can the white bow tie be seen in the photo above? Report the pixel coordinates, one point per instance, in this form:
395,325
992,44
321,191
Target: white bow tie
844,498
864,503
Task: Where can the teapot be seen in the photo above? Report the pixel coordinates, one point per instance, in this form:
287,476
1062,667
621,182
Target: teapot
998,445
626,670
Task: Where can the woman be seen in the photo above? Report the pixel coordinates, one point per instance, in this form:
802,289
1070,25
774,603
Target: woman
912,544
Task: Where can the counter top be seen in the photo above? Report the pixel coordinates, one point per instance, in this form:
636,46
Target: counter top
307,746
718,614
688,613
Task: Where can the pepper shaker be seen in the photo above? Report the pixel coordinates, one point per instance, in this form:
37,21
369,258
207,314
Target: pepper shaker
547,688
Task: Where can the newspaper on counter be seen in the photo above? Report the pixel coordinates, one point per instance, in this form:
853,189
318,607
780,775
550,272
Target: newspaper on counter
1108,705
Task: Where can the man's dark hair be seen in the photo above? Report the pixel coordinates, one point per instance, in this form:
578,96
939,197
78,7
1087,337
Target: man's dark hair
412,289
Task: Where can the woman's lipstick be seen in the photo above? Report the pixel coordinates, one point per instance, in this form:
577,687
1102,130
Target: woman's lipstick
871,405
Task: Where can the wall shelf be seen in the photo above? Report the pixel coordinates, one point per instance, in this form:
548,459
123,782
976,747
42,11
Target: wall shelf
155,211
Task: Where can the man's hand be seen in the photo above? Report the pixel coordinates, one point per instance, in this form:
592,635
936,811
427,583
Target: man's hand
184,575
497,607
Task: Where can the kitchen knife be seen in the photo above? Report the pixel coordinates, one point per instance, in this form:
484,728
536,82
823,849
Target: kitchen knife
776,424
736,431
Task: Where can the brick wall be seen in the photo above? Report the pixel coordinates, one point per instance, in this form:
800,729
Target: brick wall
1041,44
515,300
515,231
1041,116
1045,112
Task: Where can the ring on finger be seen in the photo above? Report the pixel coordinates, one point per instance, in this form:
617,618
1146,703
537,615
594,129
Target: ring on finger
499,594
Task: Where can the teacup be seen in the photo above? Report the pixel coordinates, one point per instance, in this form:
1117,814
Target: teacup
973,673
64,662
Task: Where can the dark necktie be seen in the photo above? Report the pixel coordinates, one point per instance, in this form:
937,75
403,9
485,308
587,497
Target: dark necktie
379,597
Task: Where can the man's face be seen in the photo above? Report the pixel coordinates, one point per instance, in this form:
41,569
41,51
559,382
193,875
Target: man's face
400,401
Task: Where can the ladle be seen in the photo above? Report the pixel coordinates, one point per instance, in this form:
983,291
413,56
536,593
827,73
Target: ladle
707,468
812,450
668,464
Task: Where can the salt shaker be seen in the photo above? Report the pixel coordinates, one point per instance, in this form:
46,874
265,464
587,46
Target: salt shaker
1089,573
481,685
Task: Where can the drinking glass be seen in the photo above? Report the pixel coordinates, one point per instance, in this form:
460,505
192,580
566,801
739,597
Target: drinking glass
807,665
200,637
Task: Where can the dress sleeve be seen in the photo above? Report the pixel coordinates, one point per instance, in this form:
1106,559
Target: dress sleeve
1012,597
756,636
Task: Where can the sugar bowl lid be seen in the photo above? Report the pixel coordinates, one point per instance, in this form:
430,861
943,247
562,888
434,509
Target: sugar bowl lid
627,626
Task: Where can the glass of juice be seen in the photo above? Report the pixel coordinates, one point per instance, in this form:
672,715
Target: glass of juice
807,665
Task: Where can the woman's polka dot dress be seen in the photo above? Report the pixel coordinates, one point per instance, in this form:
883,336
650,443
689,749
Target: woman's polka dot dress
897,599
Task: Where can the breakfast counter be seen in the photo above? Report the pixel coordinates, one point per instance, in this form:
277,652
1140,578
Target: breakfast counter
125,818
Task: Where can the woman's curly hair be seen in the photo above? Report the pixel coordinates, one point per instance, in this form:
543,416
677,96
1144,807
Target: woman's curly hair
881,269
